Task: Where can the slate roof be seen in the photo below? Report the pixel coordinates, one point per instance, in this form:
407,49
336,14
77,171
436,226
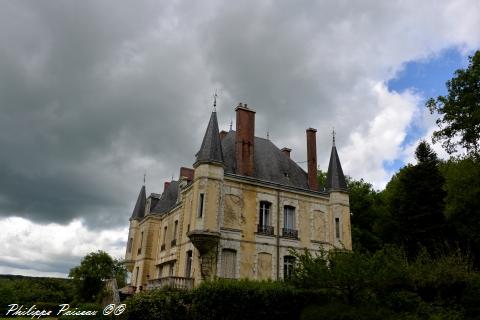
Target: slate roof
167,200
270,163
211,149
139,210
335,177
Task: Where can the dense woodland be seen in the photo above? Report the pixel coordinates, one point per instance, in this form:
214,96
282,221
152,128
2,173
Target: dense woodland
416,246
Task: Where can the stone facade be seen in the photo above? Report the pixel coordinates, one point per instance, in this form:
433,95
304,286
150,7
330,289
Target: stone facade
223,222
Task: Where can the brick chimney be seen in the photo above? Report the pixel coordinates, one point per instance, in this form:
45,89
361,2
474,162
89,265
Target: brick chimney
244,140
286,151
187,173
166,185
312,159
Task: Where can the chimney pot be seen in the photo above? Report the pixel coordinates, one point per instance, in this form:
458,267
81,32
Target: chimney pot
286,151
166,185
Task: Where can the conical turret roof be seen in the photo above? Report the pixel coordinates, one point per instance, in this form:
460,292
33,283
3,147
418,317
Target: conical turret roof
335,177
139,210
211,149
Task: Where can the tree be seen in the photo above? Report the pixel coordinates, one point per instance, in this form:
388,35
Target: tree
462,210
366,207
415,199
459,111
322,179
94,269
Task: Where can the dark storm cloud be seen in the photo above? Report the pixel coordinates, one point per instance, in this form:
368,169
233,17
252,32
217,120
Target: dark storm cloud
85,88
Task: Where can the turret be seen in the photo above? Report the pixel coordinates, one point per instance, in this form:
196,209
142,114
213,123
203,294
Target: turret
340,234
207,190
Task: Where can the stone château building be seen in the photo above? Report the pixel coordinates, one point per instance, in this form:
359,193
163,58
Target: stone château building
237,213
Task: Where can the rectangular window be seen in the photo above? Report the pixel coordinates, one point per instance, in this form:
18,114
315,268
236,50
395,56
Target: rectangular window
136,278
264,217
175,230
200,204
139,251
188,264
229,262
337,228
288,263
174,239
264,222
164,238
289,217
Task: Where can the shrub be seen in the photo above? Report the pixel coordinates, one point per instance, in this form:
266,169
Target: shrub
159,304
245,299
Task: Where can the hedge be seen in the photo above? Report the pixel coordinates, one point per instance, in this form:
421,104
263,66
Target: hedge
226,300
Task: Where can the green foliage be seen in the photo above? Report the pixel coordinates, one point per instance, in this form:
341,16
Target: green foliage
341,311
462,209
459,125
159,304
415,201
386,282
244,299
367,208
94,269
225,299
322,179
34,290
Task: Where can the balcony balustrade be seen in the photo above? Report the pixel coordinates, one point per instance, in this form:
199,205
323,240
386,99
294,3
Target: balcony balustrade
265,230
170,282
289,233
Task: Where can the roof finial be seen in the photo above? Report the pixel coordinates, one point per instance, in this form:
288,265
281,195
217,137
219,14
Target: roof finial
231,124
215,101
144,177
268,135
333,137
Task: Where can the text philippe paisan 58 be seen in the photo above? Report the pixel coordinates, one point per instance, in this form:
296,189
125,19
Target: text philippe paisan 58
64,310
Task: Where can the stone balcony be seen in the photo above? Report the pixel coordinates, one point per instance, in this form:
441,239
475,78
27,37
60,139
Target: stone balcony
170,282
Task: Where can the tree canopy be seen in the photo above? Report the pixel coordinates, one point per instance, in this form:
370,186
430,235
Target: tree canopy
459,110
94,269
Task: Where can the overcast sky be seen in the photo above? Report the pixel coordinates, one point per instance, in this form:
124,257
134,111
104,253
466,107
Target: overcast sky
95,93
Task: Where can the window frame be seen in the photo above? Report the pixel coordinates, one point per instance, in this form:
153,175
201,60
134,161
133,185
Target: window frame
337,228
233,266
264,214
286,210
201,203
288,264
